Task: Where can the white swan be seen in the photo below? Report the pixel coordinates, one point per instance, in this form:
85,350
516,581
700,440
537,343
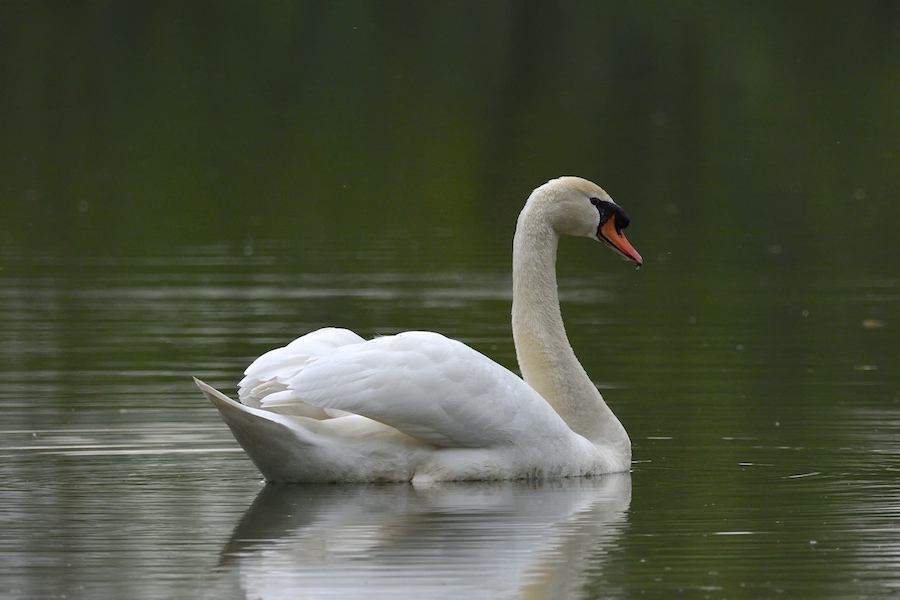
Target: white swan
420,407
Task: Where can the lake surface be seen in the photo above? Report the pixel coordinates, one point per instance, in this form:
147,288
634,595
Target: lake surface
184,188
749,481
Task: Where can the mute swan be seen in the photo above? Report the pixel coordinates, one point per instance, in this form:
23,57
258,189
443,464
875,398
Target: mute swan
417,406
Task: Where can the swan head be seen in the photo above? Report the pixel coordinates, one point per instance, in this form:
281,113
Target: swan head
578,207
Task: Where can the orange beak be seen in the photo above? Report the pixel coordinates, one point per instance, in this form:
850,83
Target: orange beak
613,236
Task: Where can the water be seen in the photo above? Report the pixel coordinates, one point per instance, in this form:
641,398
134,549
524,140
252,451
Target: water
121,481
443,541
184,188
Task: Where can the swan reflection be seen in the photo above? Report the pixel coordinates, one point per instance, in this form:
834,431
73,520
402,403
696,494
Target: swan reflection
448,540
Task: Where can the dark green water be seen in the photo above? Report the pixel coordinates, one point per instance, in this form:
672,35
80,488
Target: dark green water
184,187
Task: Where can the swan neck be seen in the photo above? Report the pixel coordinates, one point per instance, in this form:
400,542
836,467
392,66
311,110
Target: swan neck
546,359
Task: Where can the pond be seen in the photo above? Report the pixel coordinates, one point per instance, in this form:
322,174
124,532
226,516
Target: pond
748,478
184,191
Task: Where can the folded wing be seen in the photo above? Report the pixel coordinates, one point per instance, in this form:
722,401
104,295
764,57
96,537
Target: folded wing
271,372
426,385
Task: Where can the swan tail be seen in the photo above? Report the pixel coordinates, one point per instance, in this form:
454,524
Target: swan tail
273,442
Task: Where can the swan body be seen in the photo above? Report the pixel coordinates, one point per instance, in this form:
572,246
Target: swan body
418,406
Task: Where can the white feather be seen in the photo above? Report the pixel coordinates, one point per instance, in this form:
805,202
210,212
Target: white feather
426,385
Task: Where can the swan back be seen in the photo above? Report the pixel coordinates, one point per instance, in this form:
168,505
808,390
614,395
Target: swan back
427,386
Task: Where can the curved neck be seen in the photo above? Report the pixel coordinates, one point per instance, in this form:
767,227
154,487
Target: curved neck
546,358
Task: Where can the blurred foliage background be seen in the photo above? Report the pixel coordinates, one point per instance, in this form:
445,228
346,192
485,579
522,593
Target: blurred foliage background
728,130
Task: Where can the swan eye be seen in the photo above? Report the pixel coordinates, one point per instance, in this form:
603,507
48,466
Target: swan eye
607,209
